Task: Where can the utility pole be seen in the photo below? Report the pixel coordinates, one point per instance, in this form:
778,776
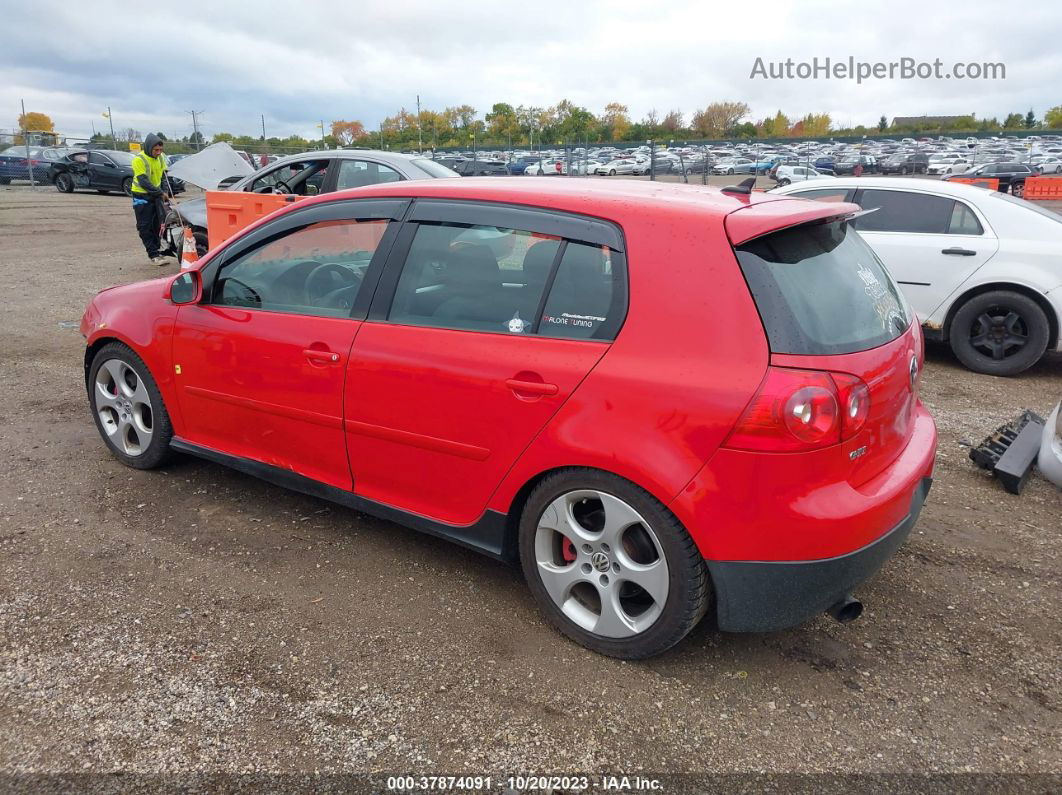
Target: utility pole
322,135
420,136
195,129
263,128
25,140
114,141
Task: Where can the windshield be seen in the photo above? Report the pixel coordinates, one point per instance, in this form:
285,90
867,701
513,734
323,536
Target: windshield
821,290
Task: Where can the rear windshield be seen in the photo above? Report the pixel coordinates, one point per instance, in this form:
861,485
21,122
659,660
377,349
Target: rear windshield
432,168
821,290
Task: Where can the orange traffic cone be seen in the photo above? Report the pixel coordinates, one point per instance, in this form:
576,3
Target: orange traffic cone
189,254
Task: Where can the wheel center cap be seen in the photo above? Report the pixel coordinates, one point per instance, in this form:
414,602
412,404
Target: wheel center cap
599,560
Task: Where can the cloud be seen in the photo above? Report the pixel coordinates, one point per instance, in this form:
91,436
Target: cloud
297,64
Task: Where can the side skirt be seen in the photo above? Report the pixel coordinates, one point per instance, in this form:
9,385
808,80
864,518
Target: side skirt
487,535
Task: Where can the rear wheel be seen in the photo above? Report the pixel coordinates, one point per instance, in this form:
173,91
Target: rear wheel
609,565
999,333
64,183
1017,189
127,186
128,409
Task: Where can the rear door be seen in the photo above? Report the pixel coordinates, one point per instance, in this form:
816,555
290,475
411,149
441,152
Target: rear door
487,319
930,244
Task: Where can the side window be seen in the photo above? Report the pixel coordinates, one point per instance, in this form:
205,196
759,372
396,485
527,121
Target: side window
96,159
478,278
963,221
313,270
900,211
588,298
824,194
303,178
358,173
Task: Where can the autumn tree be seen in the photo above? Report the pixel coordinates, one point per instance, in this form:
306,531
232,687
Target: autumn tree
347,132
1014,121
672,121
719,118
502,122
35,122
816,125
1053,117
616,120
776,126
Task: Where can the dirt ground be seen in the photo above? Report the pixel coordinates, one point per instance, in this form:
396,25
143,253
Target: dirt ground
196,619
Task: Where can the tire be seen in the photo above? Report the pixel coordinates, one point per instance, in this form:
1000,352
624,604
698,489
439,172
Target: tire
127,186
612,172
783,182
689,172
120,386
729,171
999,333
649,543
903,171
1017,189
64,183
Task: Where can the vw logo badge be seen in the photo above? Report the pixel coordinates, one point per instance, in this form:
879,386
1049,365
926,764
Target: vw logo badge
599,560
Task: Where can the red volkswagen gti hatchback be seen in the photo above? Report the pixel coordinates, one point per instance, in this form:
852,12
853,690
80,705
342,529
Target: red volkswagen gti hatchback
660,400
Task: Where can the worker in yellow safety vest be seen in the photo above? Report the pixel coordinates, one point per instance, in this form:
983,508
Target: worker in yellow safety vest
150,189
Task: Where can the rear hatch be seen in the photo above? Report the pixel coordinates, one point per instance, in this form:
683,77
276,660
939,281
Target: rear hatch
835,322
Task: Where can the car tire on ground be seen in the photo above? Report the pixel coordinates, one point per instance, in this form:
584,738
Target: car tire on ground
64,183
127,186
784,181
589,541
689,172
730,171
127,408
612,172
1017,189
999,333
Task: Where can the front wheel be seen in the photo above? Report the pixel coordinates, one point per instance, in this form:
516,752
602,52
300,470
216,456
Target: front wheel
783,182
128,409
64,183
127,186
1017,189
730,171
612,172
999,333
609,565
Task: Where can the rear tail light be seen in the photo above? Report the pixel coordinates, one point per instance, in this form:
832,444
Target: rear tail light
797,410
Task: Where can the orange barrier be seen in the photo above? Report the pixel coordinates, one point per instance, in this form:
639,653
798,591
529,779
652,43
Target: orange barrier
230,211
1043,189
978,182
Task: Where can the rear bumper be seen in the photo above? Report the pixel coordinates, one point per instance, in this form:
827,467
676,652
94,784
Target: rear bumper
769,596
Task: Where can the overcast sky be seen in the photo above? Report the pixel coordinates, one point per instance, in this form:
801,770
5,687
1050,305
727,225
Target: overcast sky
301,62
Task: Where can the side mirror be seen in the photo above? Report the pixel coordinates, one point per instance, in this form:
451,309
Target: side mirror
186,288
311,190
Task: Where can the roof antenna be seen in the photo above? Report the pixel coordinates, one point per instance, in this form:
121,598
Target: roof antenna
744,187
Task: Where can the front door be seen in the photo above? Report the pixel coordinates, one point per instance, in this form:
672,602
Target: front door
261,362
930,244
469,355
103,173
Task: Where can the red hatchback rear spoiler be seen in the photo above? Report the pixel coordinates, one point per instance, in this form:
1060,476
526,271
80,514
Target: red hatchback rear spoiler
761,218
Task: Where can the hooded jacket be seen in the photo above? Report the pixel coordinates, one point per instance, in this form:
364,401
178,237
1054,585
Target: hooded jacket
148,171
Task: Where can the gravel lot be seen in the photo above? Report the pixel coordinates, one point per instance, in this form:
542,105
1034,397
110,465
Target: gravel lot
196,619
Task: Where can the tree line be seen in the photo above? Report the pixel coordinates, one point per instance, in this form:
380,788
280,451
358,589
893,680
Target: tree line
565,122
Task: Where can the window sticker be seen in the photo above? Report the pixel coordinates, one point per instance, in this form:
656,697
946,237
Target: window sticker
516,325
568,319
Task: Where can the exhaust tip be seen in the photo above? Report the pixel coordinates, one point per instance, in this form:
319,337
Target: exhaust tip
847,610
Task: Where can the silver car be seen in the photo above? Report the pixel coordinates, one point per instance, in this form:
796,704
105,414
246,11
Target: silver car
307,175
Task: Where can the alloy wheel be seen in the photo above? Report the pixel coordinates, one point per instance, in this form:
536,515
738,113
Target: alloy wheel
601,563
123,404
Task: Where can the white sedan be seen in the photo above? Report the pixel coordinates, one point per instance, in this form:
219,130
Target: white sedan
624,166
980,268
1050,165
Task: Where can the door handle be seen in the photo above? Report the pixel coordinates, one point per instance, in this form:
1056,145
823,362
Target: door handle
531,387
325,357
958,252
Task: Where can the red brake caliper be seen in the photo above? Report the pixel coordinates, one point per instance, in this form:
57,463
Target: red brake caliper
568,551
